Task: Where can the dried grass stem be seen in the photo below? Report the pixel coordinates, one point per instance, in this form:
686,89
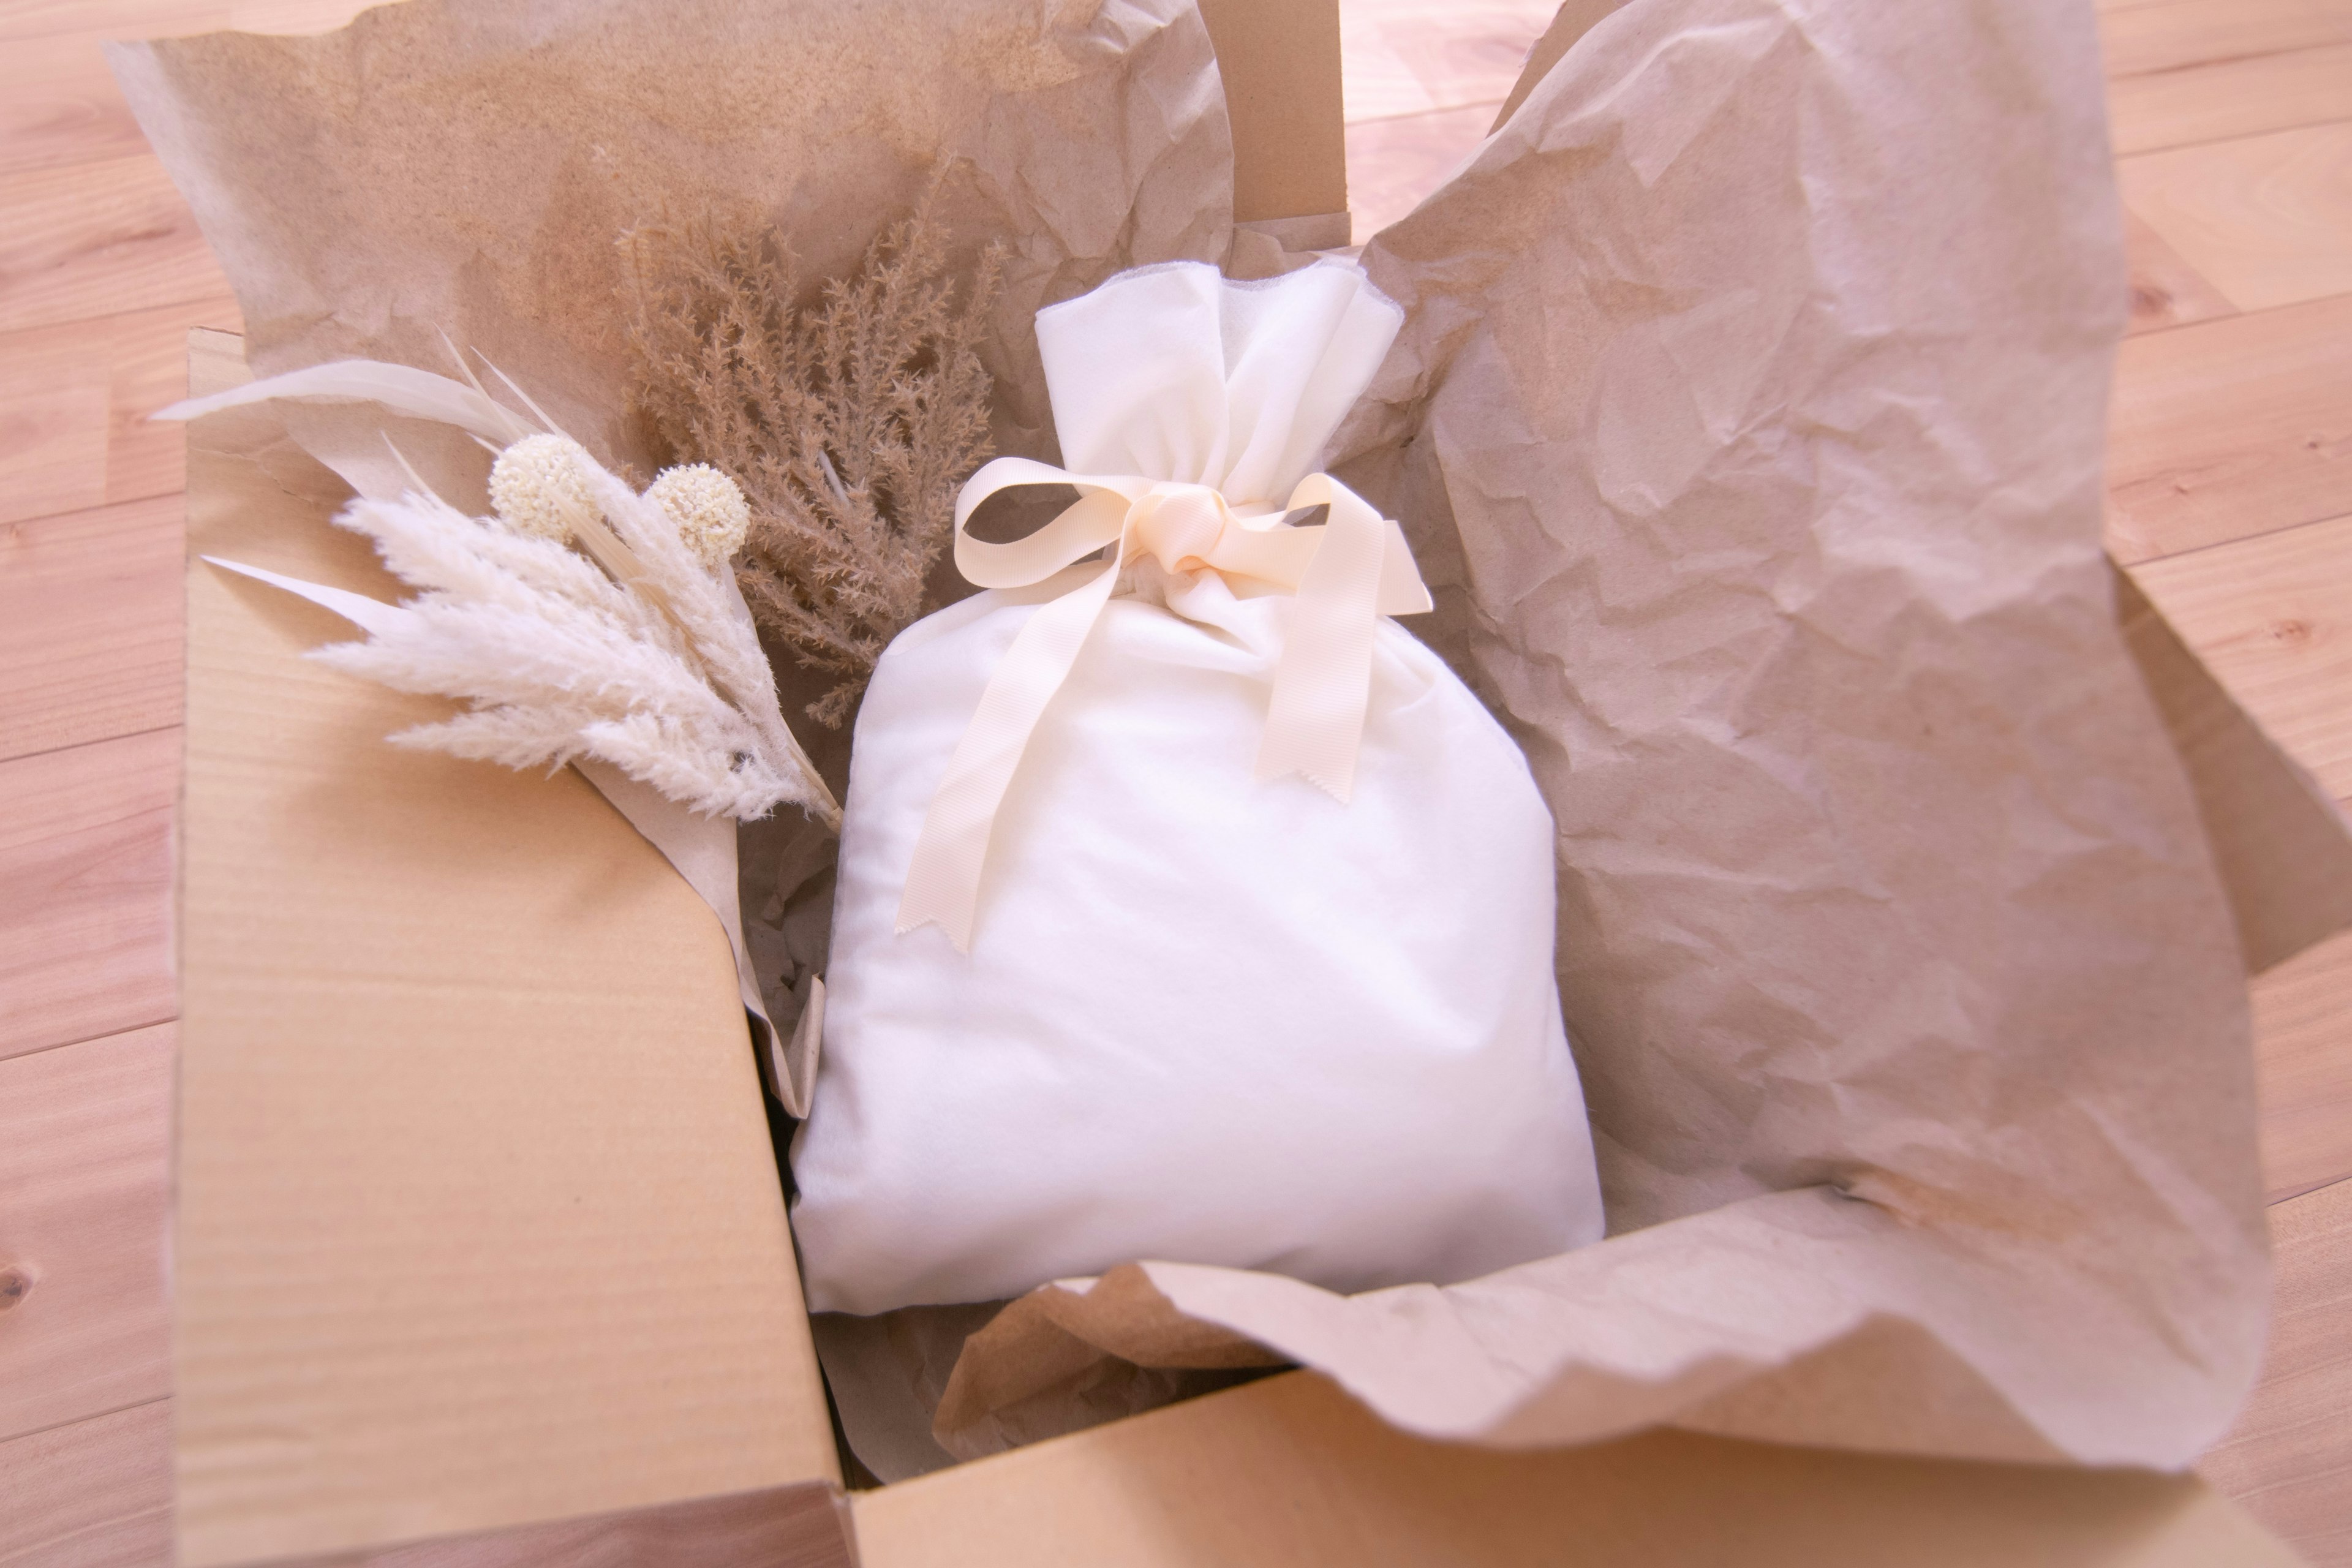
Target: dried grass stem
849,424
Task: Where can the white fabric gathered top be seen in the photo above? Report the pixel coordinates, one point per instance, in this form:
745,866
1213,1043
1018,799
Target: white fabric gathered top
1189,909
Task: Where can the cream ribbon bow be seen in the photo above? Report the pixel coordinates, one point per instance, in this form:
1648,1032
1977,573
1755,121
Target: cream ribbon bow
1347,574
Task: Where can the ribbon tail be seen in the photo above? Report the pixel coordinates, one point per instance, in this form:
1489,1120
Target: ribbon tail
1315,724
943,880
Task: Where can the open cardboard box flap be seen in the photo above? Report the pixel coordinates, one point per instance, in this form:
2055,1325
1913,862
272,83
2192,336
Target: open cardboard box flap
459,1255
478,1217
479,1227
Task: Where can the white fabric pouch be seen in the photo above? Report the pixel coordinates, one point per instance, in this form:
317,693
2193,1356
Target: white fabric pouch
1189,909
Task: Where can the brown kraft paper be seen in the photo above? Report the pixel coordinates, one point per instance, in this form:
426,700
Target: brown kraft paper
1749,427
441,174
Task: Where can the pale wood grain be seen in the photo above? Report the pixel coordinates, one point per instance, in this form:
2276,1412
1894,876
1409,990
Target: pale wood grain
2272,618
1393,163
86,890
2230,428
2231,98
1408,57
2277,838
85,1175
89,21
293,16
61,107
89,625
55,399
96,239
74,405
2287,1460
2266,219
96,1494
147,367
2171,34
2166,291
2303,1049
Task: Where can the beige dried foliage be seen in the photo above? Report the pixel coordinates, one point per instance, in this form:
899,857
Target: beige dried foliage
850,425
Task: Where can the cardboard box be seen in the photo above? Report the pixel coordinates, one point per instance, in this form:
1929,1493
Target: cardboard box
481,1253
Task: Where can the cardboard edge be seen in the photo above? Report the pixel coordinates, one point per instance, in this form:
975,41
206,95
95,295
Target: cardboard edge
770,1527
806,1525
1303,1477
2283,848
1280,64
1315,231
1573,21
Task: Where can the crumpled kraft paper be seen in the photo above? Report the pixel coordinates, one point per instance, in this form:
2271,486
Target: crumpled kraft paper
1748,425
445,172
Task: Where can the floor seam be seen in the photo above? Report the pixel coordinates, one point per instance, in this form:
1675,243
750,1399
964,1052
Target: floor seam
77,1420
94,740
2225,544
172,1017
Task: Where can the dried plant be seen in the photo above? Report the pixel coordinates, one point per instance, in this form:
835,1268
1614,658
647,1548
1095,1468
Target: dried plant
849,424
637,653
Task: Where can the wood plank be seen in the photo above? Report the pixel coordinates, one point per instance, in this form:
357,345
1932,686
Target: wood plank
59,105
2266,219
2166,291
2302,1049
2231,98
1408,57
90,21
55,400
86,890
97,240
2230,428
2285,1461
96,1494
147,367
74,405
2177,32
1393,163
84,1179
94,19
294,15
89,625
2272,618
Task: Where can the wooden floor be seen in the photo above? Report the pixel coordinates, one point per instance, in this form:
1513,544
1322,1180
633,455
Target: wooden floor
2231,488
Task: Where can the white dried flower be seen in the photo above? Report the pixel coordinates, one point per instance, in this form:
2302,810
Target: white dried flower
708,508
538,483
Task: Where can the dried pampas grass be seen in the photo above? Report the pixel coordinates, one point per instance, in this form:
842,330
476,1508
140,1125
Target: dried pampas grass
849,424
557,661
637,653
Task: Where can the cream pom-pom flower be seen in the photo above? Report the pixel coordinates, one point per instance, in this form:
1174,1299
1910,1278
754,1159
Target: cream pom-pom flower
538,485
626,651
706,506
